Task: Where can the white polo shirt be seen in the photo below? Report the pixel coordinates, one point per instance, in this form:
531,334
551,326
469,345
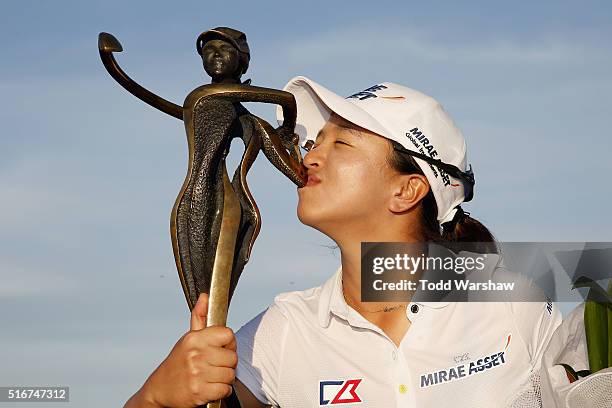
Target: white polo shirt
310,349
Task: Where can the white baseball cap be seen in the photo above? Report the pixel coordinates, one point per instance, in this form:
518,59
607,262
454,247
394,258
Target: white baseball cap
414,120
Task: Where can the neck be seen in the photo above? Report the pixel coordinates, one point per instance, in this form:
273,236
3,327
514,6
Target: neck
225,80
351,275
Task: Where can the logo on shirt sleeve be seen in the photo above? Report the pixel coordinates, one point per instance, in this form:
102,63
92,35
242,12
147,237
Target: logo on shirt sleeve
339,392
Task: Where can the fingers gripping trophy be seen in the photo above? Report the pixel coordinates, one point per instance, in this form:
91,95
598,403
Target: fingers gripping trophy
215,221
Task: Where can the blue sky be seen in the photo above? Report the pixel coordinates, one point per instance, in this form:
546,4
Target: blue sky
88,174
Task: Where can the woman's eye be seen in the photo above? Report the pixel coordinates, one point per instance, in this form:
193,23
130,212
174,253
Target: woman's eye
314,146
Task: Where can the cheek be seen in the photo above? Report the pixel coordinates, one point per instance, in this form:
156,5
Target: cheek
234,62
348,192
362,190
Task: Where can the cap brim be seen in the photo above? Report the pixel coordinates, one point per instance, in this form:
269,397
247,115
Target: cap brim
214,35
315,104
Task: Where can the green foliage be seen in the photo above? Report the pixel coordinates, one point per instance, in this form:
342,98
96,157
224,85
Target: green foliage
597,323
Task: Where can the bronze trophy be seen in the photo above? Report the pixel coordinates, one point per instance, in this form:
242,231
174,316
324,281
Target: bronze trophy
215,221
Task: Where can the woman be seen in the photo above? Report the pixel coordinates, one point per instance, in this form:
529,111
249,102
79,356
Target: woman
386,165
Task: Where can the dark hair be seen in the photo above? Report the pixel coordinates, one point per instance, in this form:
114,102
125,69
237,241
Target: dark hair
461,230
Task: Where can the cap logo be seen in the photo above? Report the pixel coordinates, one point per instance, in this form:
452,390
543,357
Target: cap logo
423,145
416,136
367,93
397,98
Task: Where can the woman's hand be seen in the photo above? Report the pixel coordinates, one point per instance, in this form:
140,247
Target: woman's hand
199,369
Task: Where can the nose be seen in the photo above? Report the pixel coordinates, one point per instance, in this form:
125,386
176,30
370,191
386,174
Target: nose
216,52
314,158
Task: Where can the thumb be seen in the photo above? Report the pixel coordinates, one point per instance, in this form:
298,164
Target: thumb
199,313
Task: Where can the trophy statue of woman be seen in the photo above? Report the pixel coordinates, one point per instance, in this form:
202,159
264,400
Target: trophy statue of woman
215,221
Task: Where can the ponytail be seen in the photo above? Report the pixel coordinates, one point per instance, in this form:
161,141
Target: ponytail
461,229
464,228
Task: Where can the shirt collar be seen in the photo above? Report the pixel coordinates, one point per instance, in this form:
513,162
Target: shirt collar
332,300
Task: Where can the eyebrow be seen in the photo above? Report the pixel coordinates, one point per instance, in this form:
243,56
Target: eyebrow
352,130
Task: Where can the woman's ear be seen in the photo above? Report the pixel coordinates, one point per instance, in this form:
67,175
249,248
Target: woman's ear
408,191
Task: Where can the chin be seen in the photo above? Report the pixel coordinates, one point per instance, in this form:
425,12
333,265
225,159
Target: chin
303,214
214,72
316,217
308,215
